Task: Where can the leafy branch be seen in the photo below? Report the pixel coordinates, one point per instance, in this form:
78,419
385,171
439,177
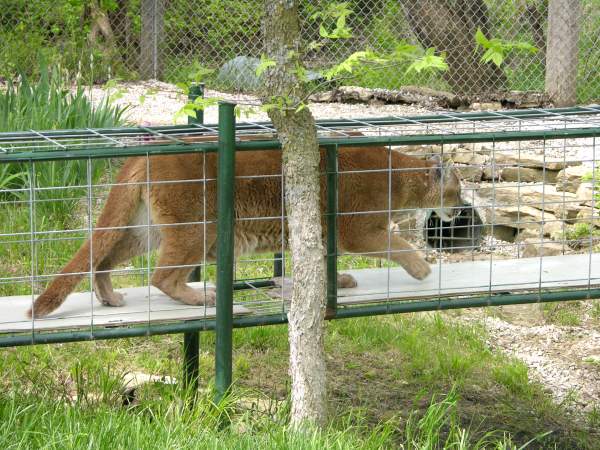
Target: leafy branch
333,25
334,12
497,49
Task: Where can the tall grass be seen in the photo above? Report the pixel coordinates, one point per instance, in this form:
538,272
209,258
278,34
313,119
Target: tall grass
51,102
58,425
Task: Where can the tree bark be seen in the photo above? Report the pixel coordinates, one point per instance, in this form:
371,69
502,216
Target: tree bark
100,26
450,26
152,12
535,15
298,134
562,52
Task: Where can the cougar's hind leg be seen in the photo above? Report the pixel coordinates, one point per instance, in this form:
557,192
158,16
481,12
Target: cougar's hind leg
126,249
181,246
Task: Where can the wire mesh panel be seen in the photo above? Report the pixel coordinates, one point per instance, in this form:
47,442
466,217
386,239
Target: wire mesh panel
174,39
441,211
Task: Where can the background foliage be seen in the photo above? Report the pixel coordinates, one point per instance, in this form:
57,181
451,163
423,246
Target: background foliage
102,39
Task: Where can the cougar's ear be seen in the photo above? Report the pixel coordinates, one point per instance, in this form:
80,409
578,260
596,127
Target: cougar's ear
436,172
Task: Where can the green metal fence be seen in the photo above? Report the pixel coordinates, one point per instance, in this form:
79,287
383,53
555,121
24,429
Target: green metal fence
227,137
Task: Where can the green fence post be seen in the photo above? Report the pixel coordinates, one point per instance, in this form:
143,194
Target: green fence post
278,265
332,206
191,339
191,361
196,90
225,245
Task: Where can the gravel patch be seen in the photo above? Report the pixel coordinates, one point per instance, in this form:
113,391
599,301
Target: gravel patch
163,100
564,359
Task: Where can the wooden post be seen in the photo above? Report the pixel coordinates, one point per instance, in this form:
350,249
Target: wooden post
562,55
152,14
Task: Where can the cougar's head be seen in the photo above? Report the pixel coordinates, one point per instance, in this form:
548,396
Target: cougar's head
444,195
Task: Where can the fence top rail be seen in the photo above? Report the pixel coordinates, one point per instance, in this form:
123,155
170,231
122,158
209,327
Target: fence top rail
440,128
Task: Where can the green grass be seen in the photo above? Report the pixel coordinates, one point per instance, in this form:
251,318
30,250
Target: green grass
413,381
563,313
54,425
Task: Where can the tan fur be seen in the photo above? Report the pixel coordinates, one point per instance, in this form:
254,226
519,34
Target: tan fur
415,183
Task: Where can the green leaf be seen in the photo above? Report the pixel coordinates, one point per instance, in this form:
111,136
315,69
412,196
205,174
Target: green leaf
266,107
301,107
403,50
185,87
429,61
481,39
341,22
201,103
497,58
264,64
496,49
300,72
186,110
314,45
323,31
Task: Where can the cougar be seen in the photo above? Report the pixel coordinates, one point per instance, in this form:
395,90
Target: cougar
181,189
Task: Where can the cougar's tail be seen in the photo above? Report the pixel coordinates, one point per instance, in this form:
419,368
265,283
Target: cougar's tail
120,206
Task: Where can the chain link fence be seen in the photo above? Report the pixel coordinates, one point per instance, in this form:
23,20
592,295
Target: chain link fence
177,40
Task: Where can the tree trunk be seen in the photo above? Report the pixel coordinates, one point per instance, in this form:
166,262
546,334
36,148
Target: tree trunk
298,134
535,15
100,26
152,12
450,26
562,51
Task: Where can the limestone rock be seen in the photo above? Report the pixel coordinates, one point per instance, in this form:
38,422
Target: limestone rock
527,175
503,233
447,151
585,194
322,97
404,95
535,247
555,230
524,234
424,151
466,156
490,173
518,217
486,106
469,172
531,160
589,215
483,148
569,178
561,204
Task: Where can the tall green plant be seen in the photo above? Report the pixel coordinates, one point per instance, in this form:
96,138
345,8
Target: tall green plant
52,103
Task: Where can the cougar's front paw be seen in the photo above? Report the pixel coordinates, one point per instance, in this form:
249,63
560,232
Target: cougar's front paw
196,297
206,298
418,269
